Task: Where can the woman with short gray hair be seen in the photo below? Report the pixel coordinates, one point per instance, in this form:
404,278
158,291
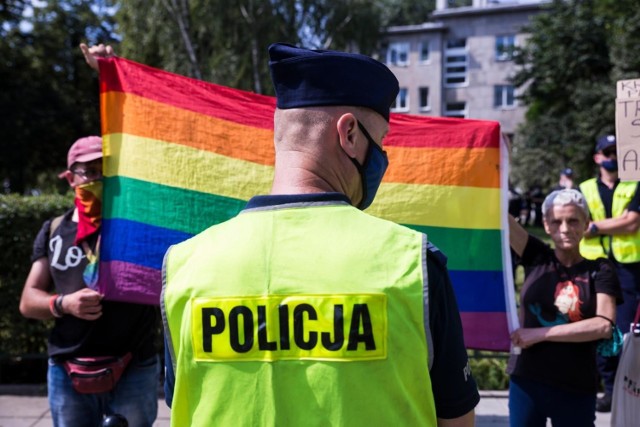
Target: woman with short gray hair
563,198
567,305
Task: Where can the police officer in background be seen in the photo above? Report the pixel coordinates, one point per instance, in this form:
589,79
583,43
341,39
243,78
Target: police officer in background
613,233
303,310
565,182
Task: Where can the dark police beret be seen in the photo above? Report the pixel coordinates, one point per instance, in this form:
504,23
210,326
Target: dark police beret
604,142
306,78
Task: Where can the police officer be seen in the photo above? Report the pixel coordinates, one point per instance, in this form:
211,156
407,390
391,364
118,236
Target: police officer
613,233
303,310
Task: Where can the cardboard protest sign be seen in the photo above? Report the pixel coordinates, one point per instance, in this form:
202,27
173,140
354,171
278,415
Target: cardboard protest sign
628,129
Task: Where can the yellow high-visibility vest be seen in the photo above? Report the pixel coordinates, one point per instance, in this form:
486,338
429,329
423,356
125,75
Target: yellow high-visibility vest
625,247
292,316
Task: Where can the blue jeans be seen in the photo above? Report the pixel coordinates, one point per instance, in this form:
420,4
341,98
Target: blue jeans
531,403
135,397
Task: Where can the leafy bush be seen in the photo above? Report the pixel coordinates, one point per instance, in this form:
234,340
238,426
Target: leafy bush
489,370
20,220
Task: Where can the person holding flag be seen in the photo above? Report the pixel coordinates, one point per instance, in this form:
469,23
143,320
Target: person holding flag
102,354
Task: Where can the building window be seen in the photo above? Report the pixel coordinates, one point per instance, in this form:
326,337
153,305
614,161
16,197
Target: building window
456,109
424,51
505,47
459,3
398,54
402,101
503,96
424,99
455,73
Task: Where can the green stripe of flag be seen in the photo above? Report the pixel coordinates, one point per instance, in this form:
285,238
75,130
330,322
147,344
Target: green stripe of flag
155,204
168,207
466,249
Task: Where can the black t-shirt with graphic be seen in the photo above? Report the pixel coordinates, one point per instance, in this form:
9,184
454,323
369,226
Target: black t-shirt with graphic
553,294
123,327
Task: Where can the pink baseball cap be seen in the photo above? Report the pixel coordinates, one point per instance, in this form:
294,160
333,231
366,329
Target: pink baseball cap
84,150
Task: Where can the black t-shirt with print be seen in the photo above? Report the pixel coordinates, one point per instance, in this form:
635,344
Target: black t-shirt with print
122,327
553,294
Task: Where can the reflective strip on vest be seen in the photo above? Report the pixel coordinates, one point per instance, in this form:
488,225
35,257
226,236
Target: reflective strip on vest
299,316
625,248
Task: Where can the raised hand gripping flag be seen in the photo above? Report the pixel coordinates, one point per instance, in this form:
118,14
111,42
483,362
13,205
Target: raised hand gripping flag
182,155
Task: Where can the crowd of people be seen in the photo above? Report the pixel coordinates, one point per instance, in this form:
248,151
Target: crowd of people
385,280
526,206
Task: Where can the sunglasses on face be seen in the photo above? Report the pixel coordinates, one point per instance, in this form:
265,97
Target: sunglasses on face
88,172
609,152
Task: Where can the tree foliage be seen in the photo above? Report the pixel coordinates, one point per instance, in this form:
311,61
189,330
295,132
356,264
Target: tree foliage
576,53
407,12
48,95
225,41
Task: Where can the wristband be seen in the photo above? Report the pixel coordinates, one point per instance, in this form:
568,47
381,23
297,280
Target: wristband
58,305
52,306
593,230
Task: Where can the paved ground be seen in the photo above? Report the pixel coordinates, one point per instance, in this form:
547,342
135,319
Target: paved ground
493,411
27,406
20,408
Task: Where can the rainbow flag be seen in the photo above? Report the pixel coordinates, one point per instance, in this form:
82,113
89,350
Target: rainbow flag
182,155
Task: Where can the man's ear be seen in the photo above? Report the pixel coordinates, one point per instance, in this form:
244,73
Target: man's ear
68,175
347,126
597,158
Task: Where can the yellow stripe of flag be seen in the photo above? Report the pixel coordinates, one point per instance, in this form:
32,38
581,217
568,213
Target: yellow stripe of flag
432,205
144,159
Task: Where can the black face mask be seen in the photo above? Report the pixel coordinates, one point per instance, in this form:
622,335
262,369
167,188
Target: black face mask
372,170
610,165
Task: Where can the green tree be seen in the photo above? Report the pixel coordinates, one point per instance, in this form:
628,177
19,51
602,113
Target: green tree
566,75
622,20
48,95
210,40
406,12
11,11
225,41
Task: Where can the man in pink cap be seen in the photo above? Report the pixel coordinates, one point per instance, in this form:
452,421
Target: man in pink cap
83,150
113,343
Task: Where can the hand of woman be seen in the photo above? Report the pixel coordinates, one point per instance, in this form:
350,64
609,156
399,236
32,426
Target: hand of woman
526,337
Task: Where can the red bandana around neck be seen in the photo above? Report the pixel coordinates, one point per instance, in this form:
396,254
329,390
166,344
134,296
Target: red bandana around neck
88,202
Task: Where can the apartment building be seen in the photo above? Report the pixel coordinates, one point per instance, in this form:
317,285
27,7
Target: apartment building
459,63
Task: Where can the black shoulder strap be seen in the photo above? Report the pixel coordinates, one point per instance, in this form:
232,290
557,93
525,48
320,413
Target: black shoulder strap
55,223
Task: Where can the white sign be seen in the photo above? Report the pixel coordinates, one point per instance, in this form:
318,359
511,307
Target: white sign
628,129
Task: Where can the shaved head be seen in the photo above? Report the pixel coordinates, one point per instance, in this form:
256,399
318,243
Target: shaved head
316,146
303,126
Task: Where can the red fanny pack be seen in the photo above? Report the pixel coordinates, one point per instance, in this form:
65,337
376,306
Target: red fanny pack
91,375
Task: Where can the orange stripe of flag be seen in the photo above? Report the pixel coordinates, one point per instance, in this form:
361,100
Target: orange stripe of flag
444,166
158,121
151,119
